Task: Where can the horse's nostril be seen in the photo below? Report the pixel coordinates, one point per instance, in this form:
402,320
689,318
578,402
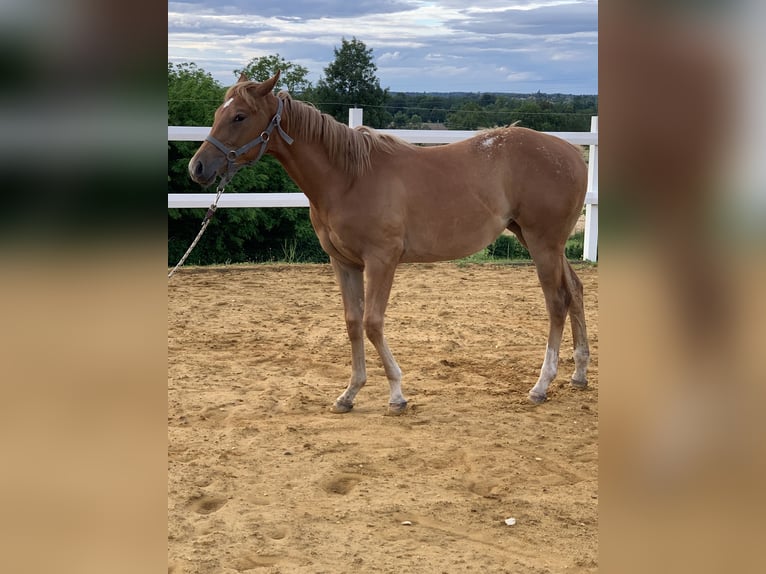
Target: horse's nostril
198,168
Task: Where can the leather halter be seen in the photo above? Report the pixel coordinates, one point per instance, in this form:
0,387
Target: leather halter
263,140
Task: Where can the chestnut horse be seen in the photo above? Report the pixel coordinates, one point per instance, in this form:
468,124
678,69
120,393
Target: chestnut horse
377,201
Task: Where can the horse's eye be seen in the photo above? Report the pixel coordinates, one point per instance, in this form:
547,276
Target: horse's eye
239,117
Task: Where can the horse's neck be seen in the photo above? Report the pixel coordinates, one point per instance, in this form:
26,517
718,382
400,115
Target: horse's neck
308,164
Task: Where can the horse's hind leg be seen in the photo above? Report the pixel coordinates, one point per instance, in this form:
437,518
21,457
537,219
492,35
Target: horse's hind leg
579,331
550,271
351,282
576,310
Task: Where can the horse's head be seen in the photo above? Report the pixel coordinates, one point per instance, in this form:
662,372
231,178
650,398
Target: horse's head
241,130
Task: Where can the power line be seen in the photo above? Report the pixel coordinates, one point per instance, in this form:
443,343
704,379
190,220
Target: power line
395,107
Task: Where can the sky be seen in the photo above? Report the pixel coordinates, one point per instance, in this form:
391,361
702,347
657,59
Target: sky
418,45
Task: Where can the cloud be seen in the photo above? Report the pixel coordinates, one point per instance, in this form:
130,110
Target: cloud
417,45
543,20
522,76
294,9
390,57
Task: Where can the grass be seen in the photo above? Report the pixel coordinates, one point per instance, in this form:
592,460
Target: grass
289,250
507,250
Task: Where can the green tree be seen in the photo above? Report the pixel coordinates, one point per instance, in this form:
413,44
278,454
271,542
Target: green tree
350,81
400,119
193,96
292,77
469,116
415,123
529,114
434,107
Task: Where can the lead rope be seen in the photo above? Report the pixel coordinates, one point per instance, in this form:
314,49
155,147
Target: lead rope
205,222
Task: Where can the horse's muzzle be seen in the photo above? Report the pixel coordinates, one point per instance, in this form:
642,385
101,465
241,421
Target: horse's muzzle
204,172
197,171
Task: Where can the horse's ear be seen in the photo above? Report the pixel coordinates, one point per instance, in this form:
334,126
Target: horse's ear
243,77
268,86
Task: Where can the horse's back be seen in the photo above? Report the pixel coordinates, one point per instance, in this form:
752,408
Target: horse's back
531,155
493,173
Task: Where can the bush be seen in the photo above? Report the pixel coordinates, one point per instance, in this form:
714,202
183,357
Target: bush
574,246
507,247
245,236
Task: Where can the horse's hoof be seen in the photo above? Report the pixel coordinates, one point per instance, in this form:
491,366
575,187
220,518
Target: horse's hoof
341,407
579,384
537,398
395,409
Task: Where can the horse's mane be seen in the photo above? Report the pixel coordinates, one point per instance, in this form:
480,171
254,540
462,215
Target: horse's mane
350,148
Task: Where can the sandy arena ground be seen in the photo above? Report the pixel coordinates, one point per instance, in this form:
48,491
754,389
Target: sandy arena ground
264,479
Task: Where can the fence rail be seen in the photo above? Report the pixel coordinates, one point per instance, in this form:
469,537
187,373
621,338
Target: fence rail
197,133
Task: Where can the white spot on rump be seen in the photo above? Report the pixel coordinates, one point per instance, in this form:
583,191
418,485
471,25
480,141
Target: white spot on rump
488,142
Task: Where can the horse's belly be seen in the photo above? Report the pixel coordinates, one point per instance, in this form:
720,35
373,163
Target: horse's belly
450,240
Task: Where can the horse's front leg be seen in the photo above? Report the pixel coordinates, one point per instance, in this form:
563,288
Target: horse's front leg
380,278
351,283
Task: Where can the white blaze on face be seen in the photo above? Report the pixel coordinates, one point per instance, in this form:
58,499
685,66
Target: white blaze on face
228,102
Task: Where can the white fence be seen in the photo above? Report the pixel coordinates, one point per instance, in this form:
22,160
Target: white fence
590,249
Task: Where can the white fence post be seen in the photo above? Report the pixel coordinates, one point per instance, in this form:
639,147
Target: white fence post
355,117
590,241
